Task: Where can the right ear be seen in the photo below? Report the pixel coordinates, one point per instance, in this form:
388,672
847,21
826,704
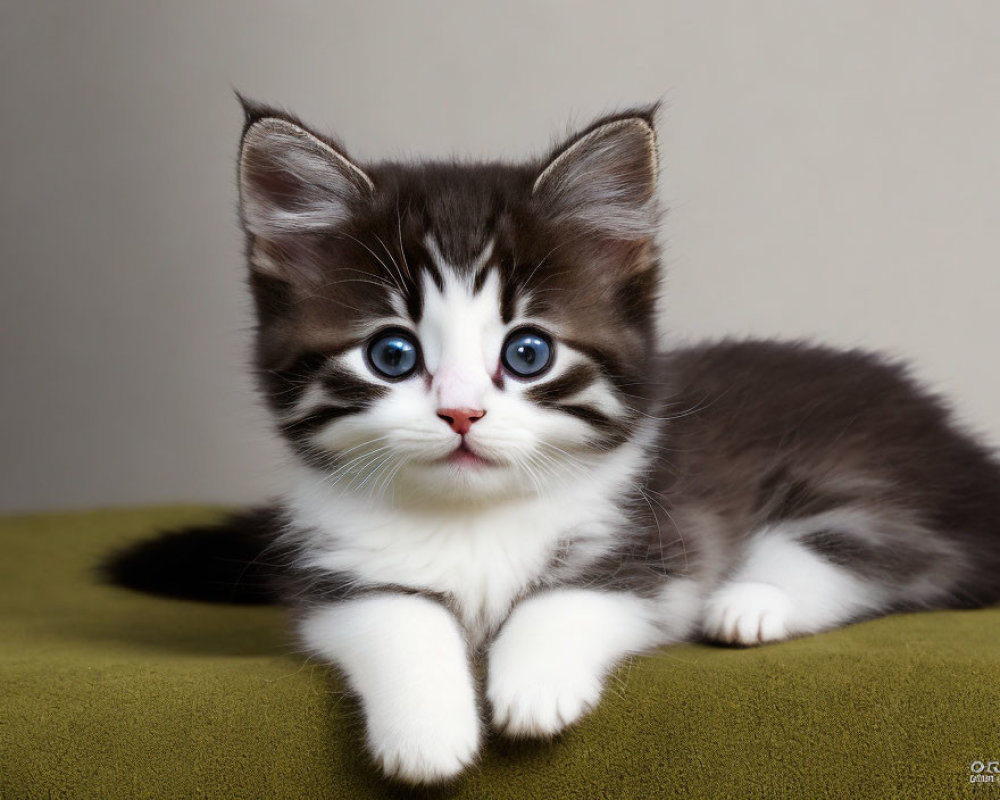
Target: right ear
292,182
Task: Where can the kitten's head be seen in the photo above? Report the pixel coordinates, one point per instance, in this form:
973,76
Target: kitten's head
448,330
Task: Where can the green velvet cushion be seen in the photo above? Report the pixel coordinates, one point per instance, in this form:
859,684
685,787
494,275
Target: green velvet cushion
109,694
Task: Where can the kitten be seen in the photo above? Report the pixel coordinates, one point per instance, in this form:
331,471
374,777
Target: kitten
495,463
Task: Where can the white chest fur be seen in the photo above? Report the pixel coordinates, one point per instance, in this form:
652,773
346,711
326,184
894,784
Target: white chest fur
482,558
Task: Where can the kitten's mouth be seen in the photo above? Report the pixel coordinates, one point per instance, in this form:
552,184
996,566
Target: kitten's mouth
465,456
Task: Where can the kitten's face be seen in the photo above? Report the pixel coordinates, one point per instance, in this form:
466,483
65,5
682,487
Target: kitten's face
452,332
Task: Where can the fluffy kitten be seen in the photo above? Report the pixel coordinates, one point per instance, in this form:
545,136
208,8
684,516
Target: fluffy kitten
495,463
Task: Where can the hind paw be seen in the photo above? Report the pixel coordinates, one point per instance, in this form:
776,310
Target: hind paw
747,613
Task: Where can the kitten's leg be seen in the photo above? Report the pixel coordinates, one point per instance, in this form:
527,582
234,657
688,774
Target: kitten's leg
407,660
548,663
788,586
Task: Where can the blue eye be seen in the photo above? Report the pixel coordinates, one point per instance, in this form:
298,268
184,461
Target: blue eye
393,355
527,353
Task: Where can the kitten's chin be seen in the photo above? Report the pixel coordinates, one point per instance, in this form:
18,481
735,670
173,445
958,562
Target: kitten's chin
461,478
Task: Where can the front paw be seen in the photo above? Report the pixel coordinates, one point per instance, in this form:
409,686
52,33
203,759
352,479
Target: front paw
528,702
433,747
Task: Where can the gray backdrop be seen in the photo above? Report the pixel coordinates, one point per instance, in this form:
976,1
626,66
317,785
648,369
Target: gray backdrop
832,169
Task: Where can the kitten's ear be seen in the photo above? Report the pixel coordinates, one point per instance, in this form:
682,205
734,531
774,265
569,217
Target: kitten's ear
291,181
604,179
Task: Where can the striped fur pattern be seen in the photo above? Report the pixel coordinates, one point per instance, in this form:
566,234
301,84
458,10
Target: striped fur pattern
445,508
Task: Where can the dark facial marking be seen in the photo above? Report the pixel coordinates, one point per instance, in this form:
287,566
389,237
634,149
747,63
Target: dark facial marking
575,379
316,419
355,396
508,298
609,365
591,416
341,384
285,387
481,276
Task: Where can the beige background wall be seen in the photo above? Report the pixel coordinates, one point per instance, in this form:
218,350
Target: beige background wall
833,170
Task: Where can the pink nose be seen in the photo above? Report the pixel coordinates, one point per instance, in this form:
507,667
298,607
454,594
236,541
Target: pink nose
461,419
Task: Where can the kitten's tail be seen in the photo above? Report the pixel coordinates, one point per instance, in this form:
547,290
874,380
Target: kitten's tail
222,563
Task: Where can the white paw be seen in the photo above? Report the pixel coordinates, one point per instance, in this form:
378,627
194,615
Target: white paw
540,703
432,748
747,613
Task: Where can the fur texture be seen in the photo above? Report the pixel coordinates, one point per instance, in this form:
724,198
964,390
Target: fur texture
495,463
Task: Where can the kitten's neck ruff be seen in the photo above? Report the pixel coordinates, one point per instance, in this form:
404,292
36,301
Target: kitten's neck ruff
481,556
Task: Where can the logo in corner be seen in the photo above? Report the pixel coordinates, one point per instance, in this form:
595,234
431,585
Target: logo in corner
984,771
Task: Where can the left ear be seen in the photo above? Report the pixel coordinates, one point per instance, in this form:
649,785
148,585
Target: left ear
604,179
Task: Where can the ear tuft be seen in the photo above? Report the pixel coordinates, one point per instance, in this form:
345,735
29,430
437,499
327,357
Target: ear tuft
291,181
604,179
254,110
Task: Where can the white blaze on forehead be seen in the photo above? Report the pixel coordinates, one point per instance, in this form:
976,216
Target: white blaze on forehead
460,330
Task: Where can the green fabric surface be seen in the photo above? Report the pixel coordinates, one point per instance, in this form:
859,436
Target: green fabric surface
109,694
